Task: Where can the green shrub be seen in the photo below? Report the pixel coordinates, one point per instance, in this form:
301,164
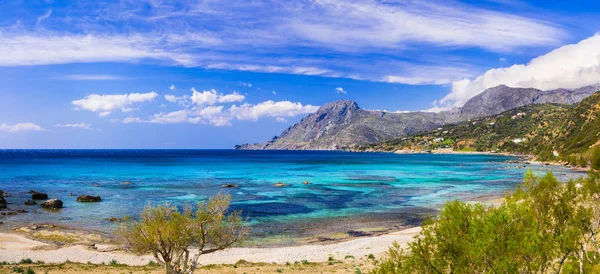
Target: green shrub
595,162
541,228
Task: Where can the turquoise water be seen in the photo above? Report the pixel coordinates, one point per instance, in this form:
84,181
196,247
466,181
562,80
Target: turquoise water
347,191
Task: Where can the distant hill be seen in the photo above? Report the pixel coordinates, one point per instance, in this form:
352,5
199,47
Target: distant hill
344,124
549,131
502,98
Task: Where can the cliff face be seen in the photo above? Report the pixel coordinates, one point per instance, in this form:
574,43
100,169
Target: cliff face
344,124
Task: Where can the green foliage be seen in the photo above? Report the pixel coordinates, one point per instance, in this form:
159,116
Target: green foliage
169,234
544,226
26,261
595,162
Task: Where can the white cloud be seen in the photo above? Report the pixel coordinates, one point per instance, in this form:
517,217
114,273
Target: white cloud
211,97
279,36
172,87
45,49
274,93
340,90
217,115
231,98
207,97
20,127
247,85
270,109
90,77
106,103
77,125
570,66
44,17
368,24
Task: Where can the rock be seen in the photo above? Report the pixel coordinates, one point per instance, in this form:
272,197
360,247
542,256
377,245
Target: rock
126,183
52,204
305,183
22,211
35,195
1,192
280,184
229,186
114,220
30,202
71,194
2,202
89,199
9,213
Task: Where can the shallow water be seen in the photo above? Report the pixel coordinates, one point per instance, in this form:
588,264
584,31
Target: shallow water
347,191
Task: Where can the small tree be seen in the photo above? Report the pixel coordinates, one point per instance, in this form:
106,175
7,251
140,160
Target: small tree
169,234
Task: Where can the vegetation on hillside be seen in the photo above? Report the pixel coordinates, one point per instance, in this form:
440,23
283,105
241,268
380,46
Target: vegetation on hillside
548,131
169,234
544,227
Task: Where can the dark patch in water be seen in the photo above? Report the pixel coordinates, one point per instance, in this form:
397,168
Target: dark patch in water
268,209
374,178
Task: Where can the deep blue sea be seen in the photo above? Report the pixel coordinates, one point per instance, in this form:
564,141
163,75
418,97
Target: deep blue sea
347,191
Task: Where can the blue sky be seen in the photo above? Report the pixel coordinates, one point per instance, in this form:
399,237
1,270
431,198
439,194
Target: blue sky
212,74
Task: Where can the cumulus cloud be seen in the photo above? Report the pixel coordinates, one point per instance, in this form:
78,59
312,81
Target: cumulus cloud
218,115
211,97
105,104
76,125
340,90
20,127
270,109
172,87
570,66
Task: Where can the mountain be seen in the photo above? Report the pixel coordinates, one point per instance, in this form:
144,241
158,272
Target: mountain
502,98
549,131
343,123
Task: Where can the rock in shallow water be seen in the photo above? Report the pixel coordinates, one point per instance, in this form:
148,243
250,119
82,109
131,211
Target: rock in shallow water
89,199
30,202
35,195
2,202
52,204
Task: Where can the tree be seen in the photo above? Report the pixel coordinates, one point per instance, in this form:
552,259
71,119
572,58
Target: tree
169,234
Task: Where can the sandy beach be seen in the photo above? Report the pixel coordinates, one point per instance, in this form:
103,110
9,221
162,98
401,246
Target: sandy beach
15,247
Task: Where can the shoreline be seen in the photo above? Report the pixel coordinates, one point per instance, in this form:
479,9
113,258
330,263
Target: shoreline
16,246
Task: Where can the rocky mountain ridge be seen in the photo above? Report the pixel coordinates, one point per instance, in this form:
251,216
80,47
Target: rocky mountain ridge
344,124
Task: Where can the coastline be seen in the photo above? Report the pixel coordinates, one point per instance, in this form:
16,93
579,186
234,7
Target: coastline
18,245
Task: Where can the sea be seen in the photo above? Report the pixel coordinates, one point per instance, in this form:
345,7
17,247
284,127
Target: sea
345,194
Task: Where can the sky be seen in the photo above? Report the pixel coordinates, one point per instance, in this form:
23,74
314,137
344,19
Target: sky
212,74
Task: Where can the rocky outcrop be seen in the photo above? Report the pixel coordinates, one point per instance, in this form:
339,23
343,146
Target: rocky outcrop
52,204
2,202
89,199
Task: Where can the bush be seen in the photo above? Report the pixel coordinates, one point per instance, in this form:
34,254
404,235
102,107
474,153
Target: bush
595,162
542,227
169,234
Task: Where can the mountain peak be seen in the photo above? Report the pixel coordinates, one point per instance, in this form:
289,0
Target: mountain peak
341,104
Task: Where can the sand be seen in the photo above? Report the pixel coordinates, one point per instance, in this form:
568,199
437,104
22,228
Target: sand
15,247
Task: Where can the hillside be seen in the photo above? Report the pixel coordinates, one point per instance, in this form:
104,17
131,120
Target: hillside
549,131
344,124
